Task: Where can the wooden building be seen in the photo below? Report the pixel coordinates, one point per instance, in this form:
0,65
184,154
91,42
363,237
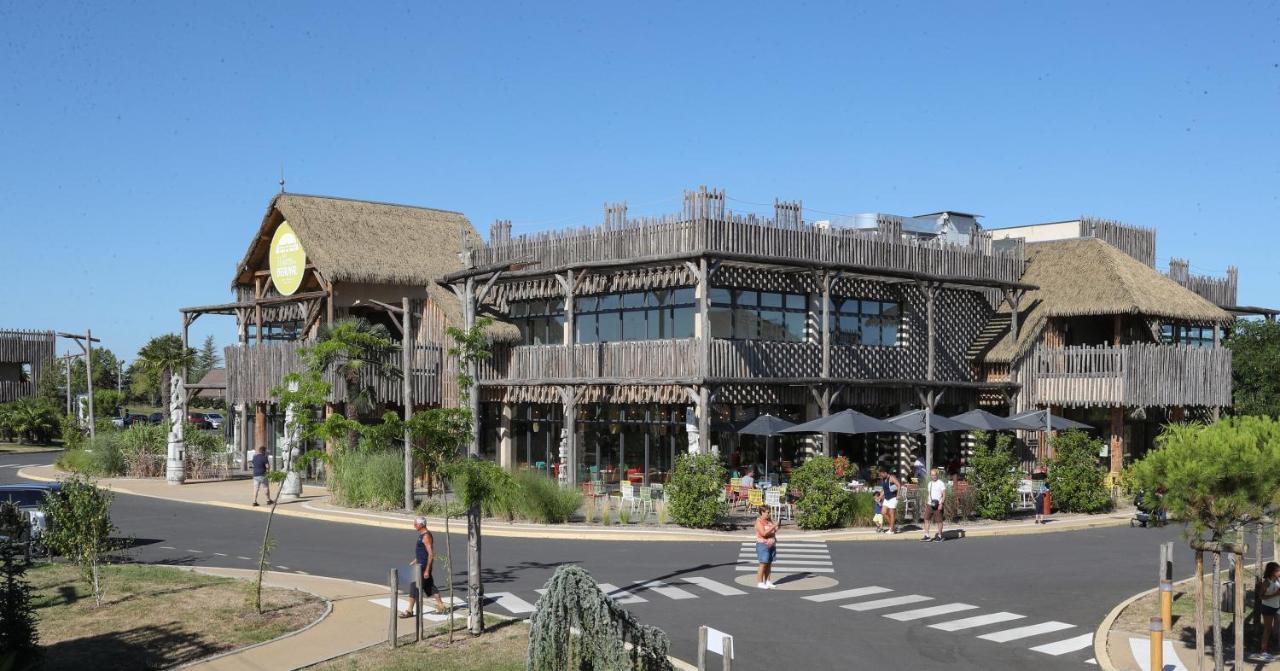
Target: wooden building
1106,338
24,356
360,258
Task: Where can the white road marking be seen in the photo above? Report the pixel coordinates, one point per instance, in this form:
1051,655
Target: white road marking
921,613
219,554
792,569
195,551
847,594
1141,649
282,568
717,587
886,603
1063,647
510,602
792,562
167,547
976,621
619,595
669,591
1023,632
243,557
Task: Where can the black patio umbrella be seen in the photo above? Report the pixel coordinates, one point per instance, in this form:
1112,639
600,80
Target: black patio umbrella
985,421
913,422
1042,420
768,426
845,421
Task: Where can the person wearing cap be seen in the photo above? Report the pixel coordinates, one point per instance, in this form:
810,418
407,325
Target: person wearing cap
424,555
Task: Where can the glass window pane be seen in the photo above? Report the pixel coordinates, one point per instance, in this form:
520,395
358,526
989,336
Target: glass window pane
747,297
585,304
721,321
870,307
537,331
683,296
892,310
609,327
770,300
537,307
555,330
519,309
683,322
889,334
745,324
655,319
772,326
721,295
659,297
634,299
871,331
586,325
795,326
609,302
796,301
633,326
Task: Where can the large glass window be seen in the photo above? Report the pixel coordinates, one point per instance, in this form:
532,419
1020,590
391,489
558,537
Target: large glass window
540,322
747,314
857,321
1196,336
635,315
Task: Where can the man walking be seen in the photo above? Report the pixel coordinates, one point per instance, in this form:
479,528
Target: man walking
260,475
424,556
889,485
933,512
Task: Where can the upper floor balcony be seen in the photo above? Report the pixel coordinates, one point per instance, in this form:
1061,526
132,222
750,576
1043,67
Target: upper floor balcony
253,370
1137,375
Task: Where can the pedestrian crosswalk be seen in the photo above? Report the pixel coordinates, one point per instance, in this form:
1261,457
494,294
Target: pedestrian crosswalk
792,557
1044,637
19,466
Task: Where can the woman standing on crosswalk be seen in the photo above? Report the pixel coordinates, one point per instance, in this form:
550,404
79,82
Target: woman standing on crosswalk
766,547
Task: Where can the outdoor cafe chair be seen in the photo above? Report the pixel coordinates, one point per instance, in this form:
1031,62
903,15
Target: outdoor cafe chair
908,502
744,495
646,502
629,496
755,498
781,509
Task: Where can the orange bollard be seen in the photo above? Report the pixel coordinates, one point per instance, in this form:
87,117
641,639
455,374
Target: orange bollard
1166,605
1157,644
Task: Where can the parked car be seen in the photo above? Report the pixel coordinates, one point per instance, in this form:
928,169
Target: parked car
119,422
156,418
29,497
136,418
215,419
197,419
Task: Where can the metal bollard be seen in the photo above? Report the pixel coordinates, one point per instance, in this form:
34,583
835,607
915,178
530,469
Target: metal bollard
1166,605
392,634
1157,644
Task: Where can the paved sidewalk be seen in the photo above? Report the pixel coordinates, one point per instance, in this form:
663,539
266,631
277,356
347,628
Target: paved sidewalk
314,504
352,623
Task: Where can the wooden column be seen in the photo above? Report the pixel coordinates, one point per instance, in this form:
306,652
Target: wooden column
473,398
1177,413
406,351
1117,439
826,324
1118,335
704,318
931,338
260,425
506,455
570,458
257,310
704,419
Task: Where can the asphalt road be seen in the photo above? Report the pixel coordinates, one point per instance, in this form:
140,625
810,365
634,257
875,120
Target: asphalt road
1061,583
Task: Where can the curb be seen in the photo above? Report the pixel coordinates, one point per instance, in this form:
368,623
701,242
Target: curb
1103,632
387,521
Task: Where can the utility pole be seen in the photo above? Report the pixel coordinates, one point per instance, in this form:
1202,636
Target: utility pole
88,372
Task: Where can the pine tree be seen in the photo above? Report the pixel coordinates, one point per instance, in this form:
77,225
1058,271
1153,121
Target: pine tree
18,636
206,360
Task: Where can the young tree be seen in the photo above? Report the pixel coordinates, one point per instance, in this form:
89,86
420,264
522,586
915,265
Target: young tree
80,527
349,347
206,359
1255,358
18,635
163,356
106,370
995,485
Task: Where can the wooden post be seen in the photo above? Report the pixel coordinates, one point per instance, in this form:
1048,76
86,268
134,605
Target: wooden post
406,348
1238,614
1199,610
186,332
1157,644
726,653
1164,556
702,648
1216,591
259,425
394,584
704,419
88,372
67,360
1117,439
417,604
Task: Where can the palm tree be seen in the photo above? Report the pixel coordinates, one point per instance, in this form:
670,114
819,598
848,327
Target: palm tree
163,356
33,421
348,348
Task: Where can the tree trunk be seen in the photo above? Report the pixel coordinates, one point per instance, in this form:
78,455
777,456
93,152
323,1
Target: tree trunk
353,436
448,556
1218,661
262,556
475,589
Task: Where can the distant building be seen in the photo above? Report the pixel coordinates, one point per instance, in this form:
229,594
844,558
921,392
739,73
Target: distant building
24,356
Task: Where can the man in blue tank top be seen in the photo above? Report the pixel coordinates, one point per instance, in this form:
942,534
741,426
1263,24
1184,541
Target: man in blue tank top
424,556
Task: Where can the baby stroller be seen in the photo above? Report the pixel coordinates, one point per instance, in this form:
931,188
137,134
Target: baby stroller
1151,512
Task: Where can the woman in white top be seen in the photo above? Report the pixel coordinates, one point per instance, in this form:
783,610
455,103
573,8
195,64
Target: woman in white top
1268,605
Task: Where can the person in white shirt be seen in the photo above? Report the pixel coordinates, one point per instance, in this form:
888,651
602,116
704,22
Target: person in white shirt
1268,605
748,480
933,511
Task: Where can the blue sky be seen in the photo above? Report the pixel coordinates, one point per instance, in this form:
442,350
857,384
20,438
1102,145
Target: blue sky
141,142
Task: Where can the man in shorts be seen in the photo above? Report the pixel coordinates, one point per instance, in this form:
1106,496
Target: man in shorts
933,510
260,481
424,556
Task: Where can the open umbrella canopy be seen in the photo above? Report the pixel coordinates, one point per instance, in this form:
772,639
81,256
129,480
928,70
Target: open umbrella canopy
845,421
766,425
1041,420
981,419
913,422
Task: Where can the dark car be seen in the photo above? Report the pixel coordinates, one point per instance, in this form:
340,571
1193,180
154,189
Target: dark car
156,418
198,420
30,497
135,418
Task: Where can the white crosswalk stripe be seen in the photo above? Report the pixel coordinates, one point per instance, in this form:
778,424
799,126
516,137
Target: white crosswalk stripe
847,594
681,589
1025,632
669,591
792,557
977,621
932,611
779,568
620,595
1063,647
714,586
509,601
889,602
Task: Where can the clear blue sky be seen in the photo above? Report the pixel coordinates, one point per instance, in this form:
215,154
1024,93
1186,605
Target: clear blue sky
141,142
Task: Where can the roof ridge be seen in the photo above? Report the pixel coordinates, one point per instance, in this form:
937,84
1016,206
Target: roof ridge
366,201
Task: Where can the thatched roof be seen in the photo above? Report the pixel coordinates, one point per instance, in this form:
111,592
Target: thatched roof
363,241
1086,277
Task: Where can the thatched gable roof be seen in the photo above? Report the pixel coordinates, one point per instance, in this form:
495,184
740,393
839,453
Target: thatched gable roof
1086,277
364,241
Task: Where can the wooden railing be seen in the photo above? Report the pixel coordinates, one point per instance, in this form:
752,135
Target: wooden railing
705,227
13,391
1136,375
253,370
1221,291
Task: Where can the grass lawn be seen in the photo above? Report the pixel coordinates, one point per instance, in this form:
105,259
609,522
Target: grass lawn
155,616
501,648
23,447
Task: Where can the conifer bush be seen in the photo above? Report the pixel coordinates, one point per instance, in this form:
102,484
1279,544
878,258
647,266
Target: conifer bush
19,648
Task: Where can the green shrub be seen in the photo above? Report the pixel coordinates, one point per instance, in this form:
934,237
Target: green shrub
993,475
101,457
824,503
1076,480
861,510
538,498
694,491
73,437
368,479
436,508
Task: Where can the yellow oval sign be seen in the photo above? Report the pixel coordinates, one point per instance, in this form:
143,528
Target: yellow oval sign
288,260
